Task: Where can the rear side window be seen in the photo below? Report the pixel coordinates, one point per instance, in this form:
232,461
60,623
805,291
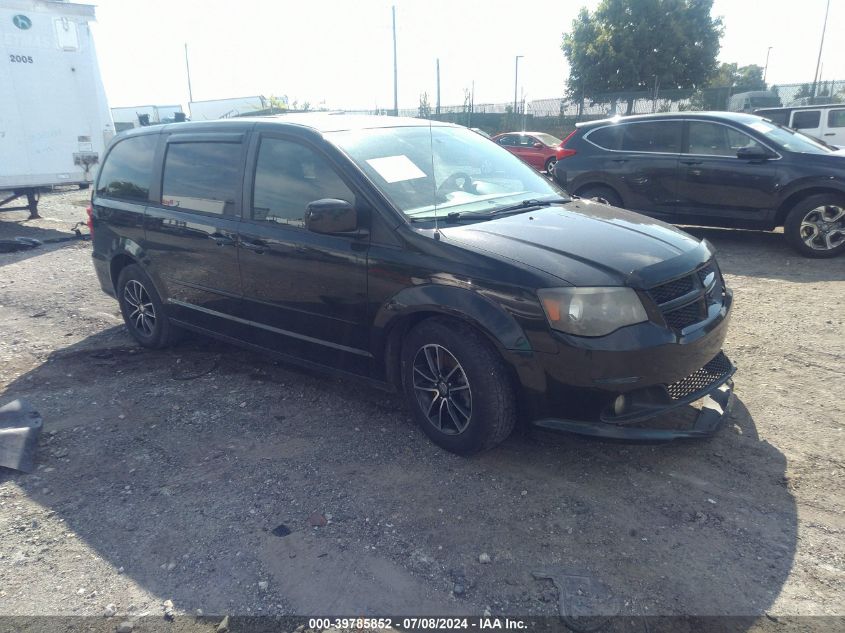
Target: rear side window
836,118
509,141
202,177
652,136
806,120
607,137
288,176
128,170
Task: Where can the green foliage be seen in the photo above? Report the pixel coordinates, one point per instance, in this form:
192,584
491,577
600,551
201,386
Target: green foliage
740,78
625,45
425,106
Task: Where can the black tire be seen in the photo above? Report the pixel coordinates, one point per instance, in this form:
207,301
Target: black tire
815,210
598,191
550,166
485,387
149,326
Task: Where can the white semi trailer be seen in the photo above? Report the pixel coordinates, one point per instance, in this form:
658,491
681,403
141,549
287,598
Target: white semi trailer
54,117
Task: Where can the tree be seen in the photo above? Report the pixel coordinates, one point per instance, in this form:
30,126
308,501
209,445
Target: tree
425,106
629,45
739,78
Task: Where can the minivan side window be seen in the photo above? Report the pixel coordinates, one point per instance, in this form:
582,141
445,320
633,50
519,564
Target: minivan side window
836,118
806,119
288,176
128,169
202,177
652,136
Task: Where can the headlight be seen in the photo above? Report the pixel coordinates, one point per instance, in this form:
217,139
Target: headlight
591,311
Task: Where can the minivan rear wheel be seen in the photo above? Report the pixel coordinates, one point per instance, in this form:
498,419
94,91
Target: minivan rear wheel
457,386
605,193
143,311
815,227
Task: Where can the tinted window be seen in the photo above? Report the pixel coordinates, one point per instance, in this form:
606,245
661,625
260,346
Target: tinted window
652,136
202,177
780,117
607,137
287,177
527,141
806,120
836,118
509,140
128,170
715,139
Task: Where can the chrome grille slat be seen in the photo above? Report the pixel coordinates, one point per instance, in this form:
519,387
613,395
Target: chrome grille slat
693,286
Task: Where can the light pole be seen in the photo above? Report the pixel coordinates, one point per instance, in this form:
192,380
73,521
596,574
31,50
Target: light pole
766,68
516,84
188,69
821,46
395,71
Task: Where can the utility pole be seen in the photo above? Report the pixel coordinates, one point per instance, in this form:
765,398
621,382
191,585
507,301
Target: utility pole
516,84
766,68
821,46
188,68
395,72
437,107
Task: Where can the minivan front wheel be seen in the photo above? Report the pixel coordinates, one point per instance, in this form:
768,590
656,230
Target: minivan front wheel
457,386
815,227
142,309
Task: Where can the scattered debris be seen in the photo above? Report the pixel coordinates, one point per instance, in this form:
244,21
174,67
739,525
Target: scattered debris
110,610
168,609
317,520
280,530
223,627
484,558
262,585
125,627
20,426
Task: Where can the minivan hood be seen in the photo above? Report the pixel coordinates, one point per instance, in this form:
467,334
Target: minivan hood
584,243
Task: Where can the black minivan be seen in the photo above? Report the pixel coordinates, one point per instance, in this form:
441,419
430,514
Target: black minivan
421,257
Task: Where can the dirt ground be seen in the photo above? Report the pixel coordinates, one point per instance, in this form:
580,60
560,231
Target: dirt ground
196,474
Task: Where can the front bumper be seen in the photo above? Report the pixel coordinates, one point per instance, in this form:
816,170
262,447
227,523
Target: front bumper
678,420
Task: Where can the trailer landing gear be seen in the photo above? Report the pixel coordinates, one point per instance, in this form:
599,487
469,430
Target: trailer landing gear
32,196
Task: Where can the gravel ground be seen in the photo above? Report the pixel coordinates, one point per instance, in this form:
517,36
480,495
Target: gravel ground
224,481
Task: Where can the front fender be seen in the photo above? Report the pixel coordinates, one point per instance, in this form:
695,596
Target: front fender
468,305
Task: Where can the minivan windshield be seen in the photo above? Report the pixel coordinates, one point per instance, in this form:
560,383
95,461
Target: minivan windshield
433,171
790,139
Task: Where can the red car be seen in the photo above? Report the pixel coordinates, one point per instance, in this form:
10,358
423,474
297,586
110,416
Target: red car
538,149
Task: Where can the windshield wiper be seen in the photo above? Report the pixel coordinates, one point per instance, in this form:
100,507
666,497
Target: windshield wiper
525,205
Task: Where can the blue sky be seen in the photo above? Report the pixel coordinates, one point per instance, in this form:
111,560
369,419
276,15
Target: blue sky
340,52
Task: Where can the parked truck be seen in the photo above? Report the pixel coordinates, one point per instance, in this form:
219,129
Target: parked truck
54,117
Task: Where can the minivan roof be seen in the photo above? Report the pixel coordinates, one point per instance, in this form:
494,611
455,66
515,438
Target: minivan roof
739,117
318,121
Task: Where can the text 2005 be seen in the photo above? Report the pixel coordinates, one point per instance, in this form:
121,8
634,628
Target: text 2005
20,59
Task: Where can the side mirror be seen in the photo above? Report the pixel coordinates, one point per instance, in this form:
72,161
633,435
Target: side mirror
331,216
754,153
538,145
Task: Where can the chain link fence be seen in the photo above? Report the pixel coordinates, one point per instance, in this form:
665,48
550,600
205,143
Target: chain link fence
558,116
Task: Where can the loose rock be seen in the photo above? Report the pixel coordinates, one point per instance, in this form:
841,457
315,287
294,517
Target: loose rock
484,558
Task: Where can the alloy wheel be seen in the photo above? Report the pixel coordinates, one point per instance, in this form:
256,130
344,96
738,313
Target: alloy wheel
442,389
550,166
823,228
142,314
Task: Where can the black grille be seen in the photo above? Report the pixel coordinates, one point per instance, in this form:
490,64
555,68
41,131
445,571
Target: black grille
672,290
703,272
712,372
685,316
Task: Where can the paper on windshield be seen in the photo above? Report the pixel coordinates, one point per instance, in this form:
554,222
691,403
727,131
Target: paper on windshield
396,168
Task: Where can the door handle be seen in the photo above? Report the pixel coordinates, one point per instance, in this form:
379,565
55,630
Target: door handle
830,134
691,162
256,246
221,239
